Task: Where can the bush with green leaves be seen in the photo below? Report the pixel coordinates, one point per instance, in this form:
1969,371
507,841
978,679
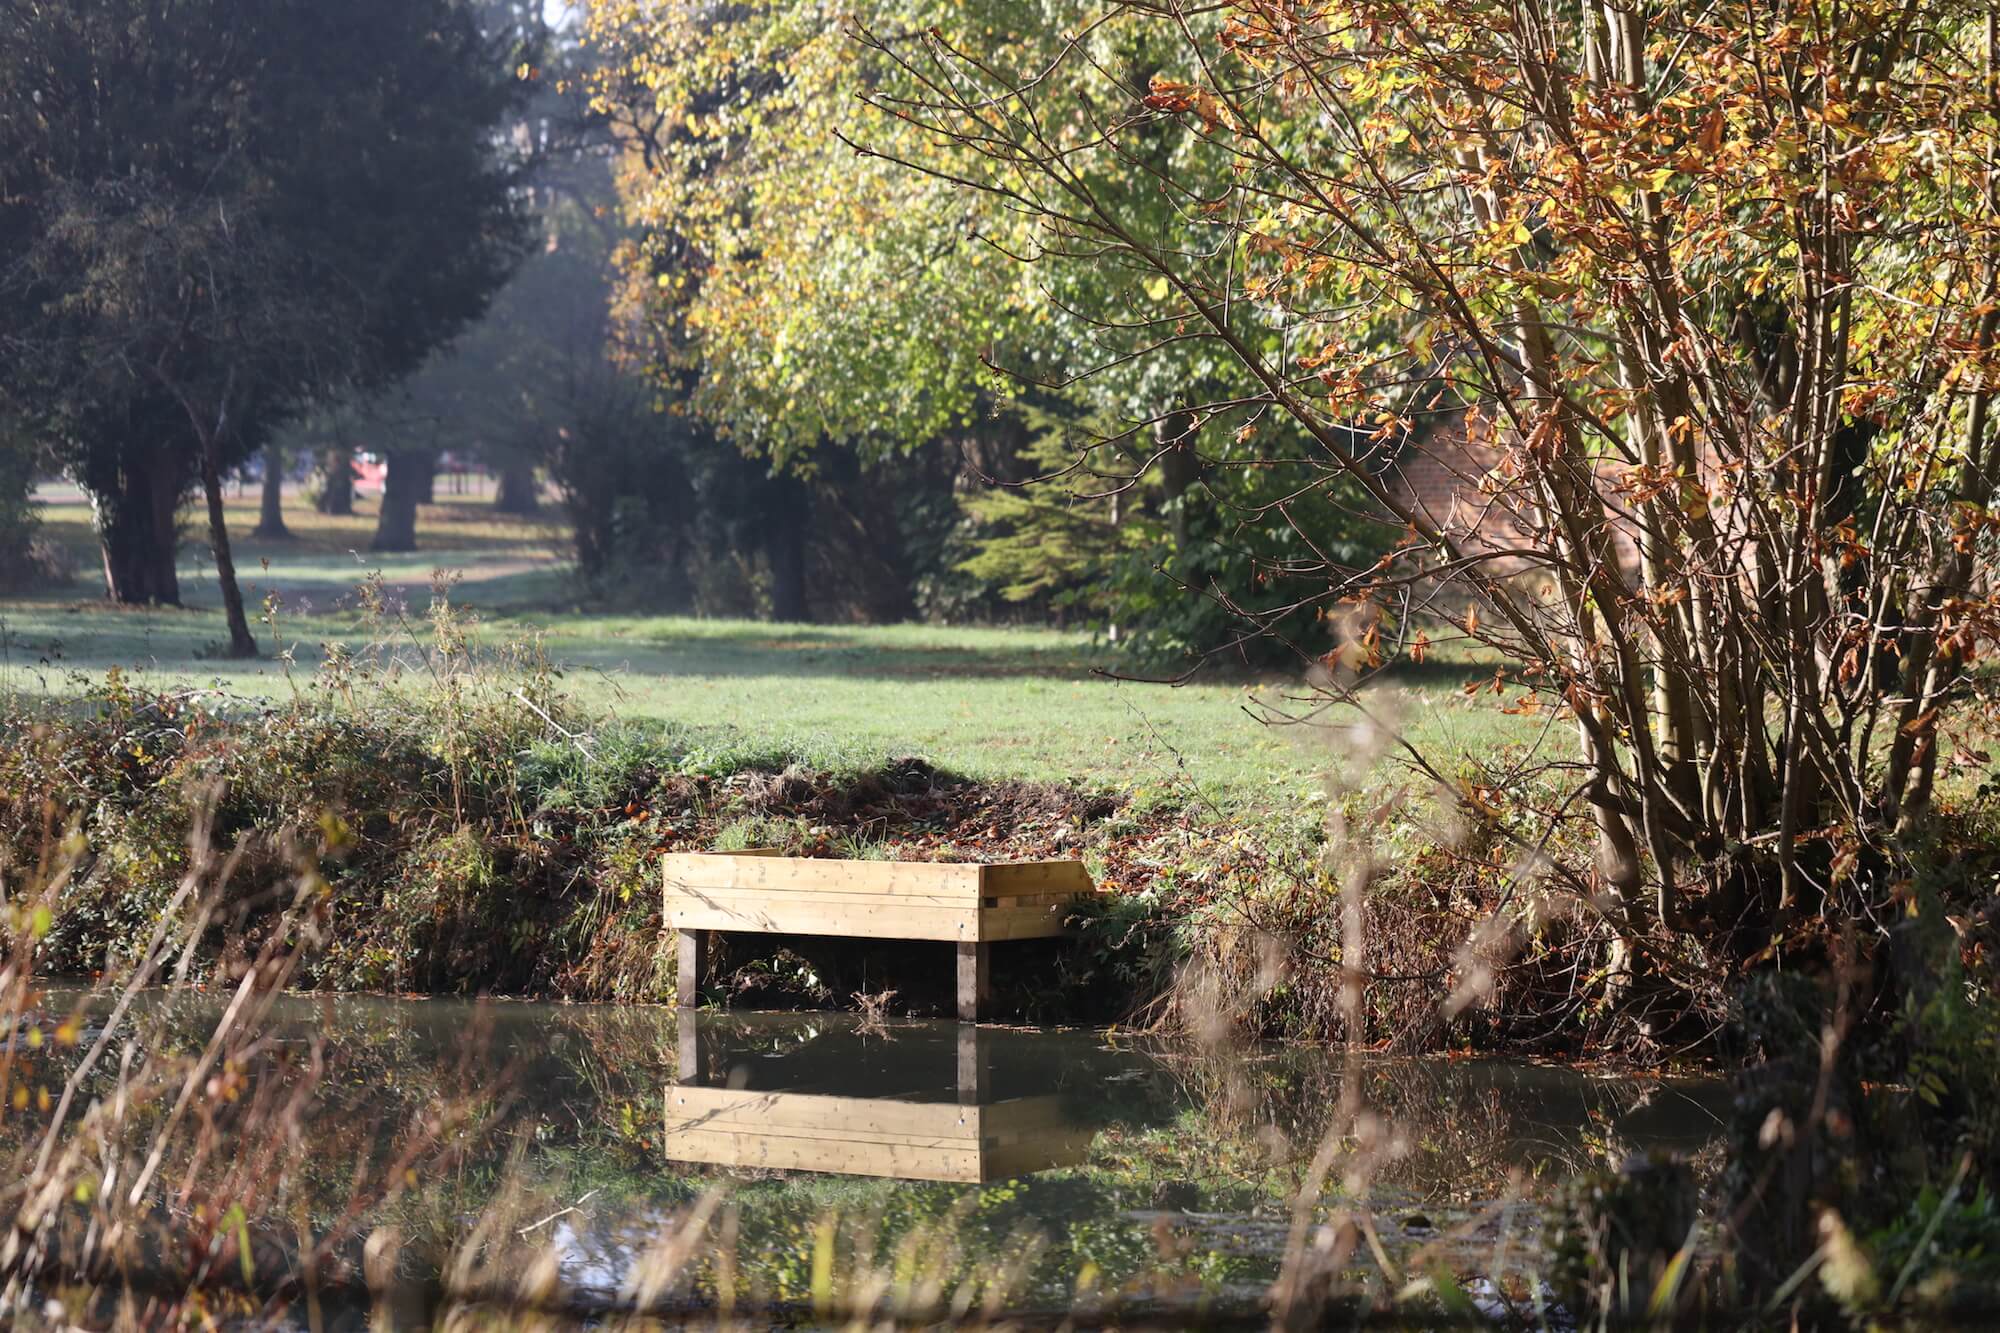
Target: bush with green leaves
1160,549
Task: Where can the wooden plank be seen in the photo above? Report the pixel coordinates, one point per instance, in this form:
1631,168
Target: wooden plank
1022,1117
811,1132
1062,879
763,869
790,1111
691,1057
973,1067
1028,900
892,1160
1066,1147
802,915
812,1113
711,870
810,916
832,1137
835,1136
780,899
1022,923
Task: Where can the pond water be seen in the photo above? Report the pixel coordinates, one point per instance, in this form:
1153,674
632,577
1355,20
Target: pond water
824,1156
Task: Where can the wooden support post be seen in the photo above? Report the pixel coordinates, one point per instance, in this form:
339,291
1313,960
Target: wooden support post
974,968
973,1084
694,957
693,1068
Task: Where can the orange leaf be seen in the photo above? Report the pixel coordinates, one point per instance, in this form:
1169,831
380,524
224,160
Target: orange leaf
1711,133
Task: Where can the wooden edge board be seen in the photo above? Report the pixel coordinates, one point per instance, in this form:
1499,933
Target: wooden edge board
873,1114
759,869
896,923
963,1165
690,896
815,874
758,892
810,1109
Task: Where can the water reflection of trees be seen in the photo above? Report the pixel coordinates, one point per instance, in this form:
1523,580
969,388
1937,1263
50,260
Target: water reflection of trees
522,1129
1460,1130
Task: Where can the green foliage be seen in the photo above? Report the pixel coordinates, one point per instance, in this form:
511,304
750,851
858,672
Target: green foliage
1949,1052
1943,1242
1048,542
19,516
752,832
1622,1238
1170,568
804,296
835,295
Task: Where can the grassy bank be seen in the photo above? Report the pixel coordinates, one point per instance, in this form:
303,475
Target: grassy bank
468,828
476,841
472,825
486,776
491,769
499,768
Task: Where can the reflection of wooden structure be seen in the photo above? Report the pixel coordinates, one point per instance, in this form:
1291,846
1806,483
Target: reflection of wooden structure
967,1140
796,1131
971,905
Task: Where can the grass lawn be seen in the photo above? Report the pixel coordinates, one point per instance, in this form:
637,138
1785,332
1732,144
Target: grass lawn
991,703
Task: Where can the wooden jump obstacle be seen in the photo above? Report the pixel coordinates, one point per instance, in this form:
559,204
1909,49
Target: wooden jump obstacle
971,906
972,1140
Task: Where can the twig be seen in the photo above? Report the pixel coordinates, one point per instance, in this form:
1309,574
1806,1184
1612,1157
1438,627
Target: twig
572,737
561,1212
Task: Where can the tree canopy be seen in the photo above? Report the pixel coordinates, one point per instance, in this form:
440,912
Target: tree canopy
1714,292
819,292
213,213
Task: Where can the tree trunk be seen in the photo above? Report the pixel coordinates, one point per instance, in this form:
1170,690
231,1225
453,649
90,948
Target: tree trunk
785,546
409,474
519,492
241,644
137,509
271,507
336,492
589,513
1173,435
426,483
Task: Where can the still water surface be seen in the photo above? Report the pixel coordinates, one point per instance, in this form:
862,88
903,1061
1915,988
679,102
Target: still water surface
1099,1163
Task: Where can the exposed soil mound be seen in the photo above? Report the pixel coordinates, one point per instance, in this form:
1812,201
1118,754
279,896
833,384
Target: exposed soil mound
919,813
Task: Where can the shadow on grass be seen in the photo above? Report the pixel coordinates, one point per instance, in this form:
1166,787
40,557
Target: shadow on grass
74,630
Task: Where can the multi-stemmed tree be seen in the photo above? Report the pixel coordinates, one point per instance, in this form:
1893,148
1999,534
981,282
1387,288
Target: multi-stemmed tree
1713,289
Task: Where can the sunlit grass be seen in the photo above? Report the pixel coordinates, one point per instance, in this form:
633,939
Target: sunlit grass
995,703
